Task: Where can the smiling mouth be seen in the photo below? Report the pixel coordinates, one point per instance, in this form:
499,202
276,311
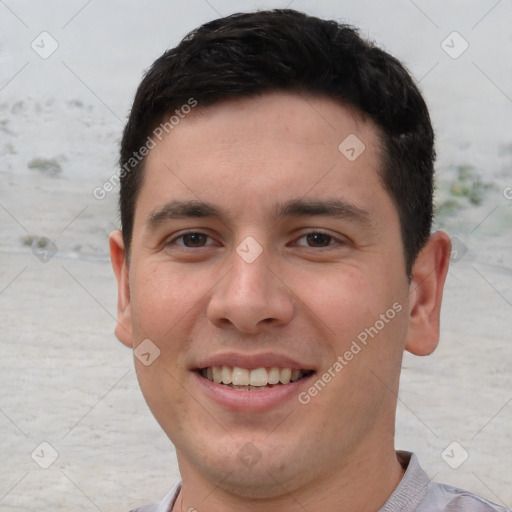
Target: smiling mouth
256,379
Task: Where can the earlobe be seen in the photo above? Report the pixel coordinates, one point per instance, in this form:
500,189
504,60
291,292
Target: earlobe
426,293
123,328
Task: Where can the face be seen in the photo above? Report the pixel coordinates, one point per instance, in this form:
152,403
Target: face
264,251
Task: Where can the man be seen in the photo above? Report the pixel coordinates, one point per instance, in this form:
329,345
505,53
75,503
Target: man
276,260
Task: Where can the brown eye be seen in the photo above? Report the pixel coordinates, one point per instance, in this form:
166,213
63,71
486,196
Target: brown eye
318,240
194,239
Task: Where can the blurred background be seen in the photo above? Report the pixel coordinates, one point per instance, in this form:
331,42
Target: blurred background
76,433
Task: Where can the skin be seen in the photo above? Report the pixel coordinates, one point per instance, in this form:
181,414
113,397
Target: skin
304,297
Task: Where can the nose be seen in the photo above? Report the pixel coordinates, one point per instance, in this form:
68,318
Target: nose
251,297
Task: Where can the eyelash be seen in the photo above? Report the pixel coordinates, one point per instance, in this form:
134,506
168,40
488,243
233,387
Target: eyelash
333,239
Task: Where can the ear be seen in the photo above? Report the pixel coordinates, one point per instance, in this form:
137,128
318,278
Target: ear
123,328
426,293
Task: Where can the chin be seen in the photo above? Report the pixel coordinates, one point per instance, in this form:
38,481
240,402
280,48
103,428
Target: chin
241,469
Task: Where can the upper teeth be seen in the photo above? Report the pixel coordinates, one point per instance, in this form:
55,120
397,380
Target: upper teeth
257,377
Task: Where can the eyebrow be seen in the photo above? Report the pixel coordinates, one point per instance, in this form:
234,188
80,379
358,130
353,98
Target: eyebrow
182,210
334,208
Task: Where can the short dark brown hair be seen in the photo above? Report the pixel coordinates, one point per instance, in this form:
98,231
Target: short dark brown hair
284,50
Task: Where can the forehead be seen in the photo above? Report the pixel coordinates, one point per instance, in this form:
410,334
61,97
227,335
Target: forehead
265,150
280,118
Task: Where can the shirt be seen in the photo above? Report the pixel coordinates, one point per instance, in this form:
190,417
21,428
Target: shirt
415,493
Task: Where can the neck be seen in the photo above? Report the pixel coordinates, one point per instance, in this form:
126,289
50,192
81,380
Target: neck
363,483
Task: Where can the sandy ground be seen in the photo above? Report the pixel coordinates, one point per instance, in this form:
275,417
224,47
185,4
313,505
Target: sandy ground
67,382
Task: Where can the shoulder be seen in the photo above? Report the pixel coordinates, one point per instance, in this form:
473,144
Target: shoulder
165,505
447,498
417,493
152,507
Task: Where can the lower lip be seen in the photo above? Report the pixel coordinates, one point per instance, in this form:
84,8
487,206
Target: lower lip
240,400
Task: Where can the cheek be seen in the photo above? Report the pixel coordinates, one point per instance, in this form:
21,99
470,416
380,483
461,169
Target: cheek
161,297
345,298
362,314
